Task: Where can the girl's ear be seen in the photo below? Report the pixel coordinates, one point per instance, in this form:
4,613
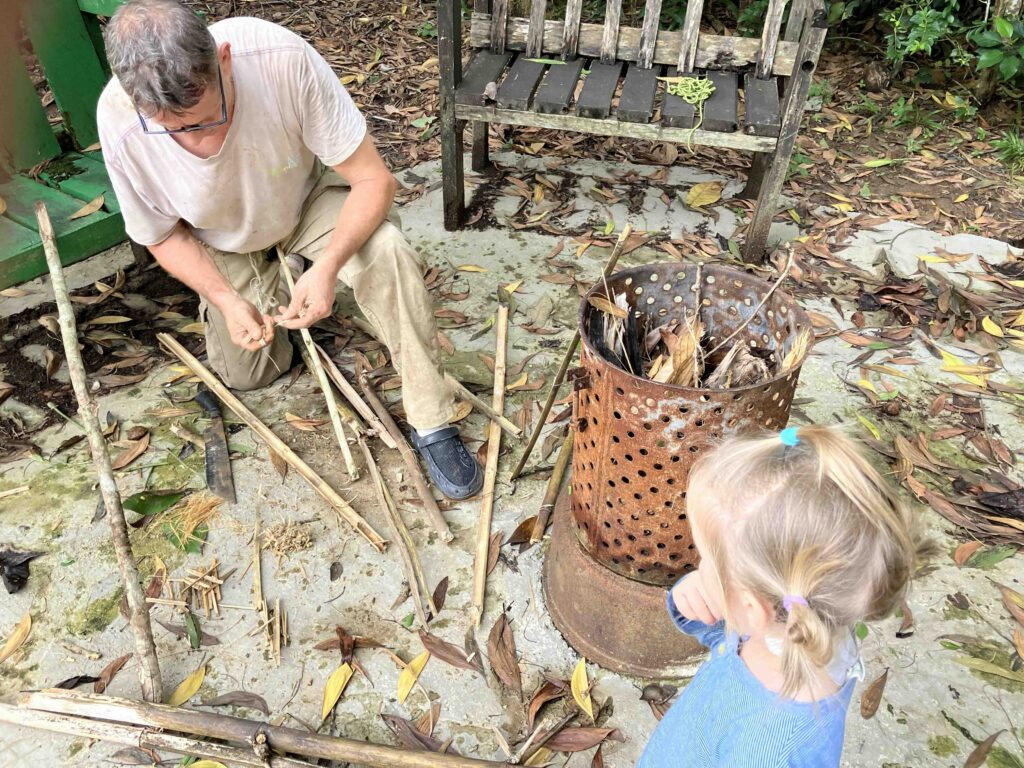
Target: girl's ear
759,612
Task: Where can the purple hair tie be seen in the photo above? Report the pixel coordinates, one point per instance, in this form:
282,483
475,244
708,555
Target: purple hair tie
788,601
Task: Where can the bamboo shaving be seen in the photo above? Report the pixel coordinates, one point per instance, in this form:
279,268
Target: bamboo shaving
287,537
797,352
197,509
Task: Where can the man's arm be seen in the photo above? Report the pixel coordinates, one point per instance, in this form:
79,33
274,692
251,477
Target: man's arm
185,258
366,207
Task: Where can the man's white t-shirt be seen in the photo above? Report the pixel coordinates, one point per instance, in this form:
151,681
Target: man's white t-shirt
290,111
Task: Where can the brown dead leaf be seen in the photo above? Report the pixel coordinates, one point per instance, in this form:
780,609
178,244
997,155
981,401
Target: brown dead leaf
1014,602
304,425
449,653
872,696
547,692
965,550
580,739
135,449
501,650
979,754
280,465
493,550
108,673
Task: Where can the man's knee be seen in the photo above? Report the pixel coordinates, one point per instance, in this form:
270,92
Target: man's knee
255,370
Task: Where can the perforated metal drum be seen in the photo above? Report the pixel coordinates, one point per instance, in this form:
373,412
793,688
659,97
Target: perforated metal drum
636,439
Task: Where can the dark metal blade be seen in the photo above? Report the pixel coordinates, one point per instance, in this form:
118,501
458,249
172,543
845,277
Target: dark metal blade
218,461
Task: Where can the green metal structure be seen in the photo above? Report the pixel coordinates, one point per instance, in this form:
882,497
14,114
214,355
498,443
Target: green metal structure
65,37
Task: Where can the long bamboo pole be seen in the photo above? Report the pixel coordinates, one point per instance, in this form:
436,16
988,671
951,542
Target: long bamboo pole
240,731
350,394
483,536
227,397
317,368
138,610
570,353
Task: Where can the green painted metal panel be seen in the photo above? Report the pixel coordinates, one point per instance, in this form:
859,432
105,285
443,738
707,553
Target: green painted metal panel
92,25
18,246
100,7
82,177
26,138
72,67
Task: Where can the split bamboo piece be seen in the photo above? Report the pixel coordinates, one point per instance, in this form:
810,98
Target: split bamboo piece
403,540
483,536
411,463
570,353
138,611
313,359
553,489
238,730
355,400
331,496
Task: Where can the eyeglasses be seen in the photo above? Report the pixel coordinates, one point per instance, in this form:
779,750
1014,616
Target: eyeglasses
190,128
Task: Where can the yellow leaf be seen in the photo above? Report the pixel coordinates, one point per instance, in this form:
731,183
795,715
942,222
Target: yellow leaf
1020,319
580,687
878,163
844,207
193,328
869,426
840,198
543,755
538,193
18,637
462,410
3,206
970,370
794,215
865,384
954,364
609,227
188,687
471,268
109,320
602,303
408,677
931,258
335,687
348,79
11,293
89,208
519,382
704,193
513,286
990,326
94,147
207,764
960,198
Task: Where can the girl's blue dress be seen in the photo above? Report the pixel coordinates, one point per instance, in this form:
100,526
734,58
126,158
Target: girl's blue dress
725,717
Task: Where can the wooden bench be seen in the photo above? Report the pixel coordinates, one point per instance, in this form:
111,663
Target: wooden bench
501,84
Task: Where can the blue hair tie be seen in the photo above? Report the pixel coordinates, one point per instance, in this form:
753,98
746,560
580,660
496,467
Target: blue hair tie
789,437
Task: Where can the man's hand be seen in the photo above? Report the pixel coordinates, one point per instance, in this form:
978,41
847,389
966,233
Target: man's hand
248,328
695,601
312,299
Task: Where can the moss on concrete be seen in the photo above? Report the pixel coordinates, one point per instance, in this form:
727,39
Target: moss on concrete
942,746
96,616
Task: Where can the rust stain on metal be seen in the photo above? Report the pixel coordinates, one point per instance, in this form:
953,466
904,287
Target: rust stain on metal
637,439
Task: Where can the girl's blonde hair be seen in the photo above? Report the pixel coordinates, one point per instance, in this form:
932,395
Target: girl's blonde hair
815,521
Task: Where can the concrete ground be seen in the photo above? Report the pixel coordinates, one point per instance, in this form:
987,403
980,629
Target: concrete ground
933,712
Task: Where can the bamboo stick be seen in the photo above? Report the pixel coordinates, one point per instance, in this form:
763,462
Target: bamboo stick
345,512
570,353
141,738
138,610
239,730
355,400
483,536
458,387
553,489
403,540
313,360
418,481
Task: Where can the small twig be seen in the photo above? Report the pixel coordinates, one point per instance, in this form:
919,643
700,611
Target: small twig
553,489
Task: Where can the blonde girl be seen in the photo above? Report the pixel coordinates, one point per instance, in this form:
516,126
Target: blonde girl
800,538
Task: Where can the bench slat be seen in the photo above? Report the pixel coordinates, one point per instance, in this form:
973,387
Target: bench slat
535,39
610,37
716,51
571,31
722,107
690,36
598,89
636,105
675,112
556,92
520,83
483,69
649,33
761,98
770,37
499,16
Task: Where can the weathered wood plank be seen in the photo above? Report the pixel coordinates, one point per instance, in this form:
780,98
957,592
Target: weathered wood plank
688,40
556,92
570,34
649,33
795,22
792,111
598,89
449,57
761,98
712,50
675,112
610,34
770,37
483,69
721,110
519,84
636,104
535,38
601,127
499,14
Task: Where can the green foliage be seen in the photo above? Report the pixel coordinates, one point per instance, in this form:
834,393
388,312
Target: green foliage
1001,45
799,164
427,29
1011,152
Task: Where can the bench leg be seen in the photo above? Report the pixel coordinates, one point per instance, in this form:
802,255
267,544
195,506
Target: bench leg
449,47
452,182
755,176
481,152
141,254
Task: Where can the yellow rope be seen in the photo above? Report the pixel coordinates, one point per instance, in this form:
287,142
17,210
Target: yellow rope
692,90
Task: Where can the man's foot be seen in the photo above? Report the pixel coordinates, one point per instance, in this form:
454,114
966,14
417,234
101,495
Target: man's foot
451,467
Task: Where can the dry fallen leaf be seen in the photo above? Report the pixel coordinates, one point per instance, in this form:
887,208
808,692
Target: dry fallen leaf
335,687
304,425
964,551
703,194
188,687
1014,602
18,637
470,268
89,208
408,676
449,653
979,754
108,673
580,687
134,449
872,696
501,648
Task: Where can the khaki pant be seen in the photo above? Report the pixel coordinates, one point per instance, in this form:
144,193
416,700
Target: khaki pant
386,277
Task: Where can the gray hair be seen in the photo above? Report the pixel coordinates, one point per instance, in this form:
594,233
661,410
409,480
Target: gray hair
162,53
